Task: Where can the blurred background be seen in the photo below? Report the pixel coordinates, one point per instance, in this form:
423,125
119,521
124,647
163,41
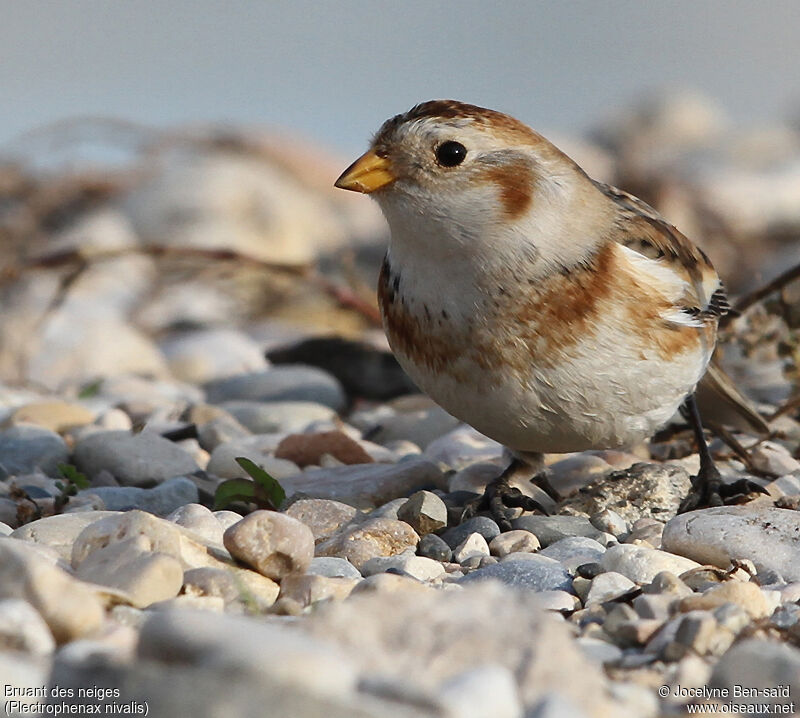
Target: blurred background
166,205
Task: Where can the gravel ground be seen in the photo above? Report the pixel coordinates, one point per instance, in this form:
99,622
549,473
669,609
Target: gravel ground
130,386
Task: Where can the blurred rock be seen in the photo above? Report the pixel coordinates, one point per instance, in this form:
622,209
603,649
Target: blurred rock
203,356
26,448
268,417
135,460
362,370
160,500
365,485
283,383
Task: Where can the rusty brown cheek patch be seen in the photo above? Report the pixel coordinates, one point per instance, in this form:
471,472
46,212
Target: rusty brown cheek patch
515,181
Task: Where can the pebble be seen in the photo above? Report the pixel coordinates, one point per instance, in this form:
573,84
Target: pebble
536,573
280,383
208,354
391,583
697,631
421,427
129,566
160,500
607,587
324,517
747,595
483,525
140,459
641,564
667,582
59,532
69,607
162,536
645,489
333,567
424,511
277,417
222,462
311,449
598,650
472,546
769,537
308,589
549,529
573,473
432,546
57,416
274,544
23,629
242,591
418,567
657,606
488,690
646,529
366,485
514,541
610,522
200,520
27,448
760,665
772,458
226,518
574,551
461,447
557,601
786,616
374,537
429,636
235,645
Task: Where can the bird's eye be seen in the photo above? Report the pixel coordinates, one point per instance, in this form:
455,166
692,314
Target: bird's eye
450,153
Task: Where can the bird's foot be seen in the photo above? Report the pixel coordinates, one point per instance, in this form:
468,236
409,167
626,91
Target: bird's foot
500,498
709,489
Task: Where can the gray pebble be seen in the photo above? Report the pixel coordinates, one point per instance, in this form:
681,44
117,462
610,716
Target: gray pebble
549,529
280,383
160,500
574,551
482,525
536,573
432,546
333,567
26,448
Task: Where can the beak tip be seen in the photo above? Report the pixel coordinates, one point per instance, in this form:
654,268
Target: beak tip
366,175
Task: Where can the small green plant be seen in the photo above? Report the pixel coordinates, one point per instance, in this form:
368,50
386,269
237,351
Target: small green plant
261,489
73,481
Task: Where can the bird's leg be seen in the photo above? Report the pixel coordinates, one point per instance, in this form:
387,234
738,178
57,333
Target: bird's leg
499,496
708,488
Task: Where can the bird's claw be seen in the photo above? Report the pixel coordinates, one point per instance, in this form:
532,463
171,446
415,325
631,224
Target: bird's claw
498,498
708,490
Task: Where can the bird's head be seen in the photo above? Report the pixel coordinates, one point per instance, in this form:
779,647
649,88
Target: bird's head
461,175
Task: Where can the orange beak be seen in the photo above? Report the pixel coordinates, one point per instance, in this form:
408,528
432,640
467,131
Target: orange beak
367,174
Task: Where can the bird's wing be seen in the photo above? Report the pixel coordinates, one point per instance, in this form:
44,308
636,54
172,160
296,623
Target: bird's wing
646,232
643,230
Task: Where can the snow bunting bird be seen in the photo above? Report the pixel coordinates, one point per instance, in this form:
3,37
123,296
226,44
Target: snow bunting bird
551,312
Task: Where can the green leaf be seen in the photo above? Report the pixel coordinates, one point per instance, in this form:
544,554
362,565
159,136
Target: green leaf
91,389
270,487
234,490
71,474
